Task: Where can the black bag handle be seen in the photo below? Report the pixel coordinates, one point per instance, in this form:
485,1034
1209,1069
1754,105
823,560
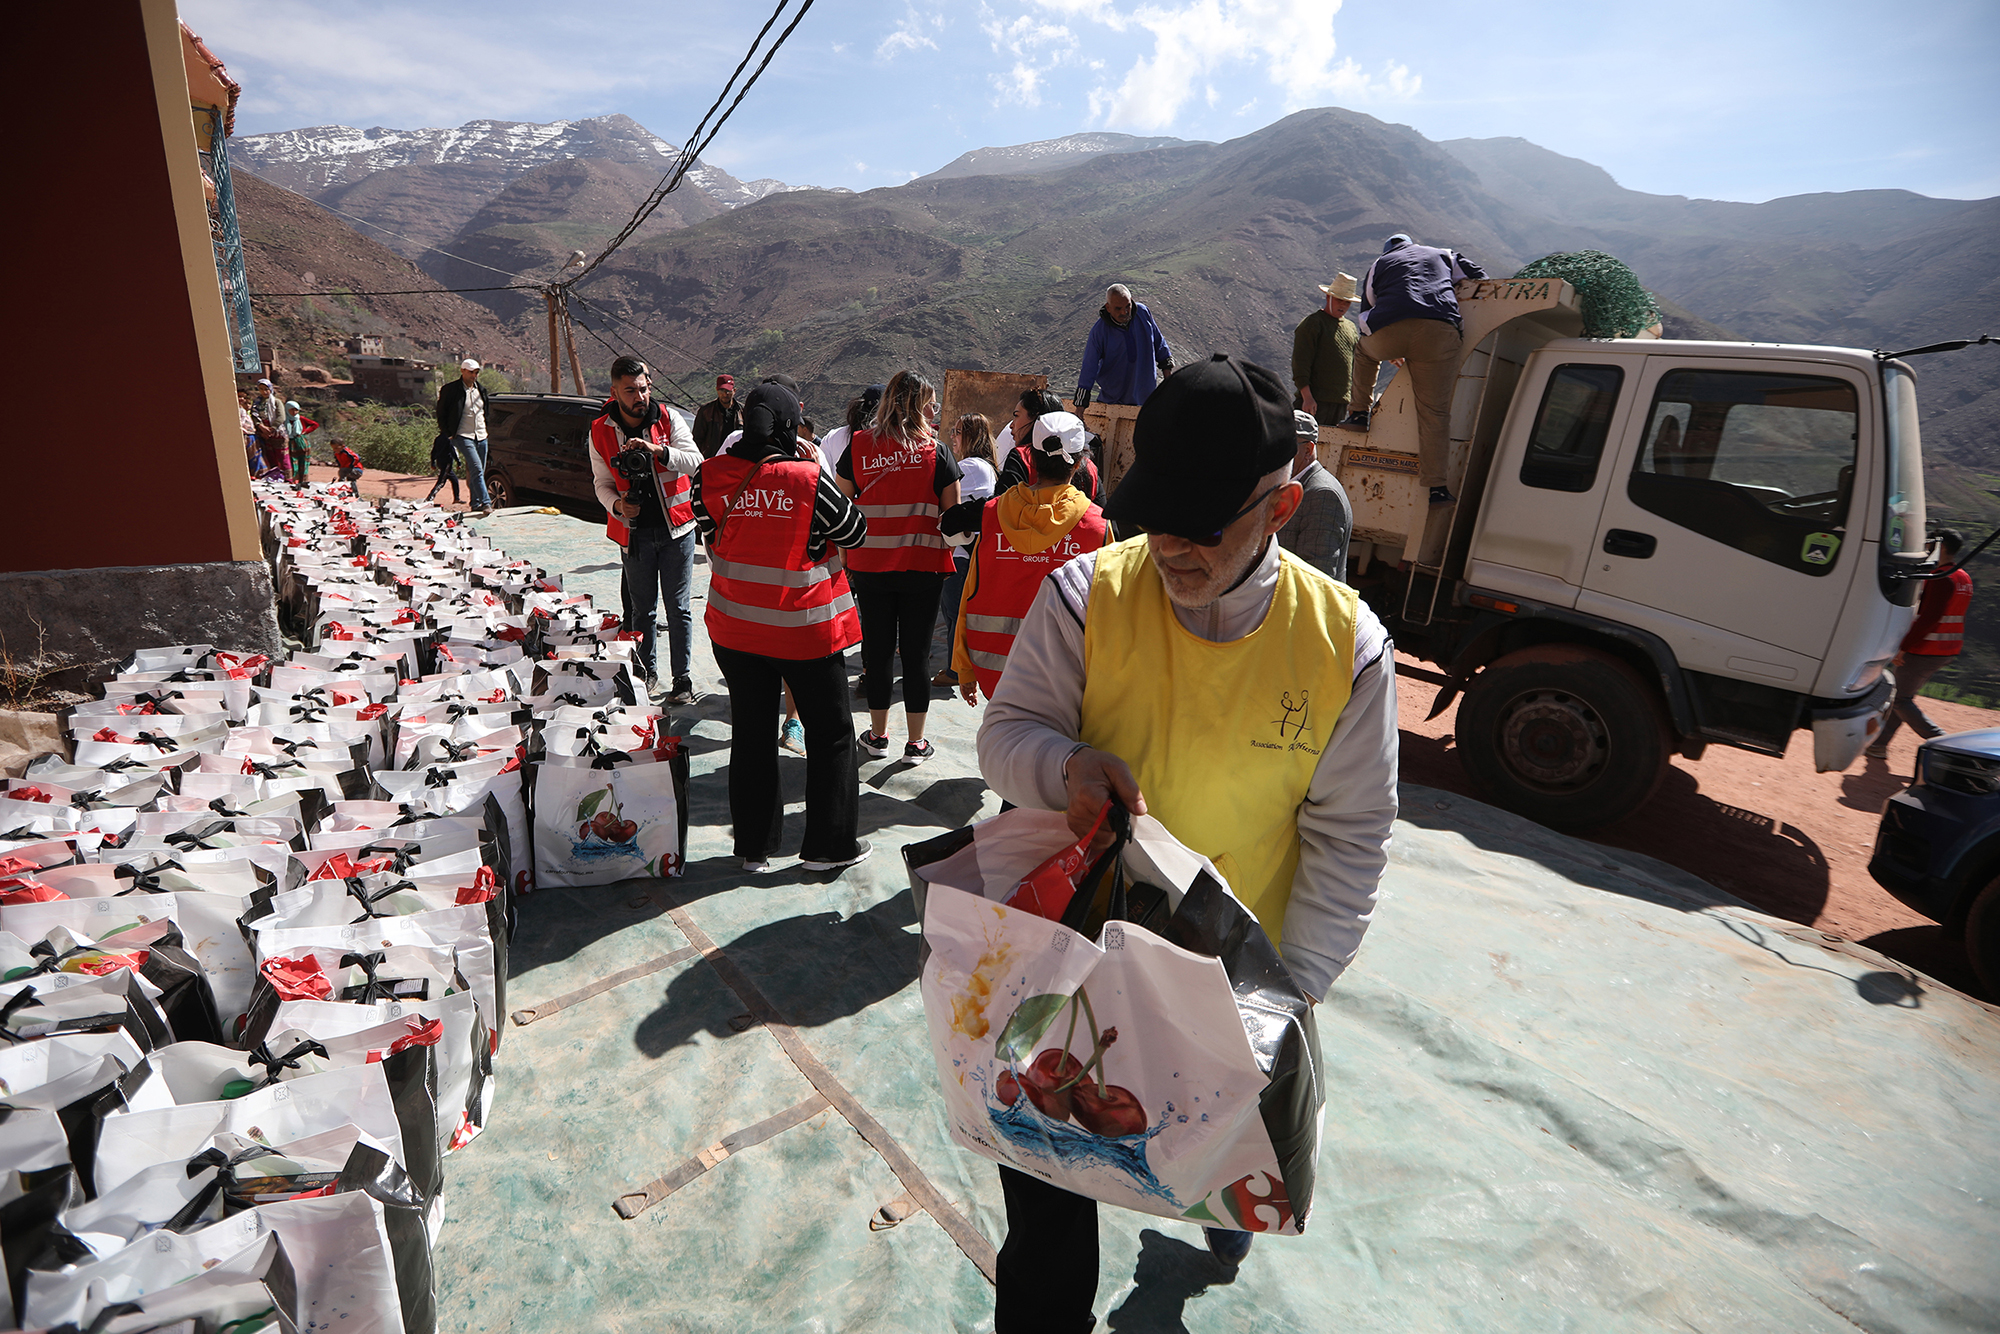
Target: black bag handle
1077,916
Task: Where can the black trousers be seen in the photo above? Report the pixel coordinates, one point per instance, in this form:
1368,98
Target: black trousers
756,798
899,608
1046,1273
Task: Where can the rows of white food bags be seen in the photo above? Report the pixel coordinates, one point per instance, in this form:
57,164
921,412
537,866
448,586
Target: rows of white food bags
254,926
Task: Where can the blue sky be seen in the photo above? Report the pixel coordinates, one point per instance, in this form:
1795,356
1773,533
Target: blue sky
1747,100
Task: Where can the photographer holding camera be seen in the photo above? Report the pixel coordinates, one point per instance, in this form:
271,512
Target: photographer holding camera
641,458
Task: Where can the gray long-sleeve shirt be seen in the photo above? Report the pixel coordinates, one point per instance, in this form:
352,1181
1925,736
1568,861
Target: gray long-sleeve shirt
1036,713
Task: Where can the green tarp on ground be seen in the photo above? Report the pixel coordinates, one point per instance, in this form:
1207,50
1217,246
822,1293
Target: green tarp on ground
1569,1088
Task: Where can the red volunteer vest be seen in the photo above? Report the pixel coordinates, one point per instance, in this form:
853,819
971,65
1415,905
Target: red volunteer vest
1948,635
678,488
893,485
764,596
1085,479
1006,583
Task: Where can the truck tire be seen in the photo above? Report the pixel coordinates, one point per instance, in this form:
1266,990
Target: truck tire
1982,936
1568,736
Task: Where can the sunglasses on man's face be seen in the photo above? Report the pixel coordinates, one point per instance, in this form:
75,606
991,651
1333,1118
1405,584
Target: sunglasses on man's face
1214,539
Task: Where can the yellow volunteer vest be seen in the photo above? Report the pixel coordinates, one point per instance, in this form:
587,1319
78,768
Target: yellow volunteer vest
1222,737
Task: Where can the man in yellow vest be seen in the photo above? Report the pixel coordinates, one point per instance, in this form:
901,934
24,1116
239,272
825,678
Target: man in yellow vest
1209,679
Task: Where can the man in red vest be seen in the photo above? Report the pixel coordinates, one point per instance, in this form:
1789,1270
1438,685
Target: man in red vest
651,520
1935,638
1024,534
780,614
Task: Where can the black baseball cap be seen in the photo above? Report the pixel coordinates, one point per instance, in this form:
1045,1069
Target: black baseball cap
1204,439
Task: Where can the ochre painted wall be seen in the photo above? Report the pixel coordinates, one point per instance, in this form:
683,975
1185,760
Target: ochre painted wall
124,450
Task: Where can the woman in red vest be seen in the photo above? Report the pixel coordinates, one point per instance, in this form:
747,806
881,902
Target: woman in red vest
1936,636
1017,466
780,614
1021,537
903,482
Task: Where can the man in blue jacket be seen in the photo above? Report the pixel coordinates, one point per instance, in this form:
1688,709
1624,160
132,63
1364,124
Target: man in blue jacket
1122,353
1409,311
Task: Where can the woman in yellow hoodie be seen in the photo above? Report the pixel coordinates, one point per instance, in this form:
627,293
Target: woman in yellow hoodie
1021,536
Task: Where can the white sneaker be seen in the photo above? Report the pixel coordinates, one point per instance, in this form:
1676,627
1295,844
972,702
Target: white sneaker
755,867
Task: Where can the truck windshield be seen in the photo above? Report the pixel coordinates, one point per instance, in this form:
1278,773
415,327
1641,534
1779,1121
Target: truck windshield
1903,532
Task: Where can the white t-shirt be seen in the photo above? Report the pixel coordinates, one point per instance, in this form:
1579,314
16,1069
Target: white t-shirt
831,446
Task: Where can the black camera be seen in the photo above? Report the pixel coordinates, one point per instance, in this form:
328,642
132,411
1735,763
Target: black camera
634,464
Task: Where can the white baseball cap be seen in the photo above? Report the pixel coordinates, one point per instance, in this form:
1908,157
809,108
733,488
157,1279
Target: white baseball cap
468,365
1060,433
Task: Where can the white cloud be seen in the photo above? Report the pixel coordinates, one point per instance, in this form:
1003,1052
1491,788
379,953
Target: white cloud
1026,32
1022,84
1288,42
911,33
306,64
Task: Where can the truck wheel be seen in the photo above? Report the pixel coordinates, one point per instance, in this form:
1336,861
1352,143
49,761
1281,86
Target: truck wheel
1982,936
1567,736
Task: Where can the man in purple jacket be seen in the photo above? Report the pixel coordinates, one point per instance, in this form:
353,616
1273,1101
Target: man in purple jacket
1409,311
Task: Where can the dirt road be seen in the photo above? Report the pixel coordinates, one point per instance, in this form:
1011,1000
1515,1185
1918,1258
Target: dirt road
1791,841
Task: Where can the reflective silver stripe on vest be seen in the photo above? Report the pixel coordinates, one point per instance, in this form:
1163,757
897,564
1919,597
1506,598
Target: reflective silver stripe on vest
993,625
765,574
897,511
904,540
992,662
773,616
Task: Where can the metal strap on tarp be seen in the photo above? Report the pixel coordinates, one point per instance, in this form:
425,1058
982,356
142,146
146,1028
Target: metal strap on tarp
957,1226
630,1206
522,1018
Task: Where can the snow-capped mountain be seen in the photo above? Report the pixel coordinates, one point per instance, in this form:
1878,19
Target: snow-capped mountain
1045,155
324,158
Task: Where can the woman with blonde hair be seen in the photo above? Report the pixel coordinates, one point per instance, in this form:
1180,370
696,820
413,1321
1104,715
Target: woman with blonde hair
902,482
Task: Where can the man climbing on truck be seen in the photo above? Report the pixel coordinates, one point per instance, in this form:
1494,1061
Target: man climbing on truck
1409,311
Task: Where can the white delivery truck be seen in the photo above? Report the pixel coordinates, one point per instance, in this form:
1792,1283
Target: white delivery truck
1657,545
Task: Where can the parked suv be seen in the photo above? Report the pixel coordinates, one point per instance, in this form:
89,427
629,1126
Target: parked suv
540,443
1938,846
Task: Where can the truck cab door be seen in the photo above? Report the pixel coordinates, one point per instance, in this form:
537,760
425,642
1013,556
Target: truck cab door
1538,519
1731,526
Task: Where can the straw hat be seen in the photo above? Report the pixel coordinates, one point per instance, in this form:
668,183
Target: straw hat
1342,287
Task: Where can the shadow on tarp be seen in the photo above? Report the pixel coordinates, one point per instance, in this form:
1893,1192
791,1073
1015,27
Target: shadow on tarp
1169,1275
814,968
1493,830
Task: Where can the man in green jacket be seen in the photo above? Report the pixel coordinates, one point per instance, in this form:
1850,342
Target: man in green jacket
1323,353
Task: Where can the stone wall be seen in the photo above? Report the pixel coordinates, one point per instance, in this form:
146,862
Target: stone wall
71,628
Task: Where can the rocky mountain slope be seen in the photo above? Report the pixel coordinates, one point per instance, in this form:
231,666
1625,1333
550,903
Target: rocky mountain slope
291,244
420,187
1043,155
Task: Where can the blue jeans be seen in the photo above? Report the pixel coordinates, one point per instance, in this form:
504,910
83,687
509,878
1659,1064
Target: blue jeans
473,452
660,567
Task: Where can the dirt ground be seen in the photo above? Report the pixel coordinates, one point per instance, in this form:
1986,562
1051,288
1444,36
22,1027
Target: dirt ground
1773,832
1791,841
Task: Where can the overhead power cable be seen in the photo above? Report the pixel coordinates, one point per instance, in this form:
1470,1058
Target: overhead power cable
696,142
683,398
407,291
680,391
414,241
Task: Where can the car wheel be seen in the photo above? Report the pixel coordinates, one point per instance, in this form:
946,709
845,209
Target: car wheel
1569,737
499,490
1982,936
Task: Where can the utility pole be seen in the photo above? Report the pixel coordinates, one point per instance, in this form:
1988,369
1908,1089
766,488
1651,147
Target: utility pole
555,348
